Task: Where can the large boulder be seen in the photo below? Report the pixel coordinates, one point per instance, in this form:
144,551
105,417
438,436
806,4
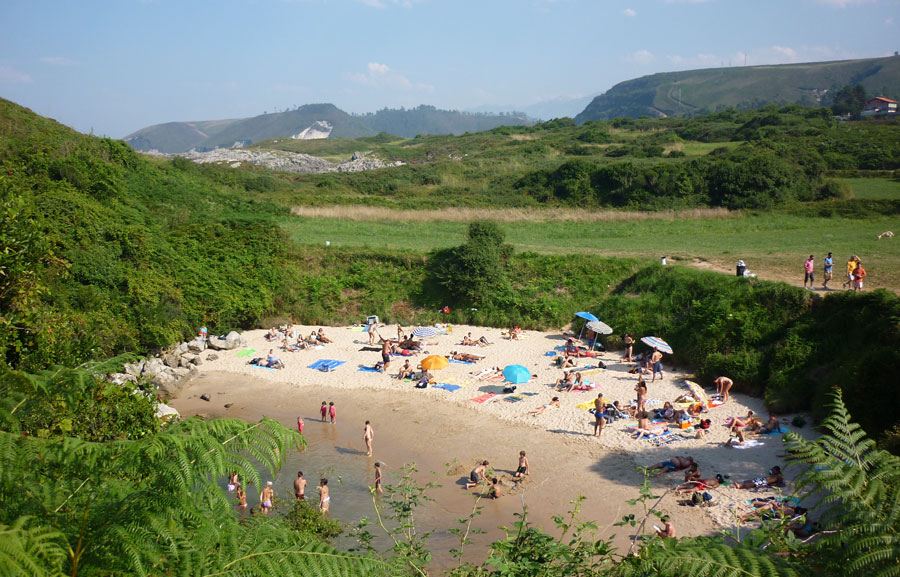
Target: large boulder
197,345
164,411
234,340
217,343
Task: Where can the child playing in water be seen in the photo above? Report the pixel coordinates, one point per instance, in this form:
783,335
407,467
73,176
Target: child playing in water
324,410
522,470
332,411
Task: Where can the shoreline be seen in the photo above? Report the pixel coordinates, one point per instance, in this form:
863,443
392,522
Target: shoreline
559,442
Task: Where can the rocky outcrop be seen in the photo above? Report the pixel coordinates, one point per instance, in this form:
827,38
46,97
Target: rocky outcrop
170,369
284,161
316,131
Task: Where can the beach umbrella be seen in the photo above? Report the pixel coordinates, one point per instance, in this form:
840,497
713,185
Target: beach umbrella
517,374
657,343
434,362
598,327
425,332
586,316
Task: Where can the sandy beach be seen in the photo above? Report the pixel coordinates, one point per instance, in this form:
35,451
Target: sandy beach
446,431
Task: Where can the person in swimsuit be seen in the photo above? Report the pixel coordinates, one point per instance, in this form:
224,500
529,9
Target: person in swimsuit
542,408
629,347
241,496
368,436
723,385
522,469
378,488
495,492
299,485
324,497
385,355
371,331
697,485
477,475
774,478
667,530
405,371
599,414
232,481
266,497
321,336
656,361
641,390
673,464
324,411
332,411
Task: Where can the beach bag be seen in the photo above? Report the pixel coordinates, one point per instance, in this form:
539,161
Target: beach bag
601,365
696,499
507,390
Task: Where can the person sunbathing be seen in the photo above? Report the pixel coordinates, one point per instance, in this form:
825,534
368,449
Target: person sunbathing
673,464
272,335
515,333
544,407
772,479
747,421
483,341
321,336
566,382
565,362
696,485
397,350
770,508
667,412
737,438
643,428
468,341
288,347
465,357
272,361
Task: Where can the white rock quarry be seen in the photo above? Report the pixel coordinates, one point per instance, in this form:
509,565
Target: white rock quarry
284,161
317,130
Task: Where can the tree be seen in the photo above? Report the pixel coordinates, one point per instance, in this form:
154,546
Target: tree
849,100
473,273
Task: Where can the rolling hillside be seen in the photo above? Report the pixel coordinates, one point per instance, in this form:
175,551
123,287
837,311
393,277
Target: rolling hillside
699,91
176,137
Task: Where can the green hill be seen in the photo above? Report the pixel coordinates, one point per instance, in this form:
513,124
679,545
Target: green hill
694,92
175,137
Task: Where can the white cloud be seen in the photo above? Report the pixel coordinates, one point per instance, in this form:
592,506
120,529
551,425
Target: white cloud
640,57
9,75
380,75
785,52
59,61
629,12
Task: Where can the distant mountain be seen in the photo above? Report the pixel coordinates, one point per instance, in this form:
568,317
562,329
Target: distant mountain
312,120
561,107
698,91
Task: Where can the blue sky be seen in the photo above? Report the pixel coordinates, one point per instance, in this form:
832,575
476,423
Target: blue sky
118,65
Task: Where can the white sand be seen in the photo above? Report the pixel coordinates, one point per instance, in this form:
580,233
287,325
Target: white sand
568,421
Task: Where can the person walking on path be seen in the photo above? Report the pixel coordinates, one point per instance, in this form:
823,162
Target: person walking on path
859,273
827,271
851,266
809,276
368,435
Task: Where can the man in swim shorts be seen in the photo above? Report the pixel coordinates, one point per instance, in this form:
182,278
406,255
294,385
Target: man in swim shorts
385,355
599,414
477,475
656,361
673,464
772,479
266,497
299,485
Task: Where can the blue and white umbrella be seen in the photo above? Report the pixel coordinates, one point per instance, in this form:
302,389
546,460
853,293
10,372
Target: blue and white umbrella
517,374
657,343
586,316
425,332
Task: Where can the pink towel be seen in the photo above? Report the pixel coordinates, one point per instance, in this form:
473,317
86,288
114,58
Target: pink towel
483,397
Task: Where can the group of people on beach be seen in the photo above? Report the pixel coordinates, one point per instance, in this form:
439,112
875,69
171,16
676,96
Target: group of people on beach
853,280
482,473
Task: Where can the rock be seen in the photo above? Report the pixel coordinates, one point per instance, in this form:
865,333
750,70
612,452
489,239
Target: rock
197,345
229,405
186,359
164,411
217,344
234,340
182,348
356,156
152,367
197,360
120,378
181,372
134,369
171,360
205,397
212,357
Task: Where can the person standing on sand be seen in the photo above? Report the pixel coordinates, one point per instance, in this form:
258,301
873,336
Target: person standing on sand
723,385
599,414
629,347
385,355
808,277
266,498
522,469
299,485
368,436
371,330
827,270
324,410
324,497
656,362
332,411
641,389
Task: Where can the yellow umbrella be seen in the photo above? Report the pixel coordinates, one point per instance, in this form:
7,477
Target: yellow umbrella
434,362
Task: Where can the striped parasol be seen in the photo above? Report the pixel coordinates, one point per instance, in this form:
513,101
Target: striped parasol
657,343
425,332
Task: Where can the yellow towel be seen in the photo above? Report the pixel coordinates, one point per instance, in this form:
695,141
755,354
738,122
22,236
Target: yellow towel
587,405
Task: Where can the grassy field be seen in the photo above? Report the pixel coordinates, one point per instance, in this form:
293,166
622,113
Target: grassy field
774,246
873,188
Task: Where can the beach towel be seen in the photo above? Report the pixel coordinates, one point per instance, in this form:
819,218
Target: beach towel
446,386
326,365
357,329
652,423
585,386
517,397
367,370
264,367
550,354
588,405
246,352
748,444
782,431
483,397
461,362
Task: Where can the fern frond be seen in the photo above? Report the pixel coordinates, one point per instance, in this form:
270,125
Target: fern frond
30,551
704,557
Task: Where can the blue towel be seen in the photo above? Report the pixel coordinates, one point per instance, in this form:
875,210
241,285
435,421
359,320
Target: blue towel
550,354
461,362
264,367
326,364
446,387
367,370
777,432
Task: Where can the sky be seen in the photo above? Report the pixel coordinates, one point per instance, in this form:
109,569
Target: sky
112,67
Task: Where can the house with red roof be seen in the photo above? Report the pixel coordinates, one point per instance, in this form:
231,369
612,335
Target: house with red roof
879,107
